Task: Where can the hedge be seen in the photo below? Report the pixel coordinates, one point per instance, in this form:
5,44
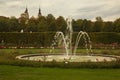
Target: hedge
44,39
105,37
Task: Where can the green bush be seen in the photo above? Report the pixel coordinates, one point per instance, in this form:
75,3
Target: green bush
44,39
105,37
26,39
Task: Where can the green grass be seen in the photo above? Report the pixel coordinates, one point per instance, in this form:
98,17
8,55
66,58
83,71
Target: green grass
8,72
21,51
35,51
29,73
7,57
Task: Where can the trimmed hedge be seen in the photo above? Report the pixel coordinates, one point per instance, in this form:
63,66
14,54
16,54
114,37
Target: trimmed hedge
105,37
44,39
26,39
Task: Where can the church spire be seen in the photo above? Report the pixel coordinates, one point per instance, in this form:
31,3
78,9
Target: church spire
26,11
39,13
25,14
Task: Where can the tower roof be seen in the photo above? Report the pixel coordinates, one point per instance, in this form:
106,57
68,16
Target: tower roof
26,11
25,14
39,13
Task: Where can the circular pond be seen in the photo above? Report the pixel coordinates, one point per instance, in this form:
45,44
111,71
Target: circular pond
64,58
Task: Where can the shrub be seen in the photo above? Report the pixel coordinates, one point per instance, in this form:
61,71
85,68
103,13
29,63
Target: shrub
44,39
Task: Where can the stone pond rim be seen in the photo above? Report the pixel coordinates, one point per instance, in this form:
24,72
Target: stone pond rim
70,58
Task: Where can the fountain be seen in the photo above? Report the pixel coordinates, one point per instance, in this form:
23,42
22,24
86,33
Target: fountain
66,39
70,55
21,31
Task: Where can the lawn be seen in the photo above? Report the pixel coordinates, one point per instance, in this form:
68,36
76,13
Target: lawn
7,57
30,73
45,50
9,72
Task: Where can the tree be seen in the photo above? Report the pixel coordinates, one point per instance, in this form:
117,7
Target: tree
13,25
117,25
51,22
99,19
98,25
52,26
77,25
108,26
87,25
50,18
61,24
4,26
23,23
42,25
32,25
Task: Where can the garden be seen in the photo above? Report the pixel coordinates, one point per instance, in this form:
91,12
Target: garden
32,70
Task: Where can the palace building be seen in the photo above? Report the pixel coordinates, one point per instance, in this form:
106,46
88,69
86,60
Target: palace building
25,15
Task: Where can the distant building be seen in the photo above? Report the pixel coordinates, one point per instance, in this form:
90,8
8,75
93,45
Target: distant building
25,14
24,17
39,13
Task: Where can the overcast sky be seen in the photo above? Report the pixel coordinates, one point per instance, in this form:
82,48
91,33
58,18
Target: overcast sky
84,9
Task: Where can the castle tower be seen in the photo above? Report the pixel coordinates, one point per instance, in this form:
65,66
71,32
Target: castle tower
39,13
26,11
25,14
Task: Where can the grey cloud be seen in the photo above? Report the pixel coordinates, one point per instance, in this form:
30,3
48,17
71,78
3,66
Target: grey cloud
86,9
5,1
108,11
112,11
103,10
89,12
2,3
91,8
